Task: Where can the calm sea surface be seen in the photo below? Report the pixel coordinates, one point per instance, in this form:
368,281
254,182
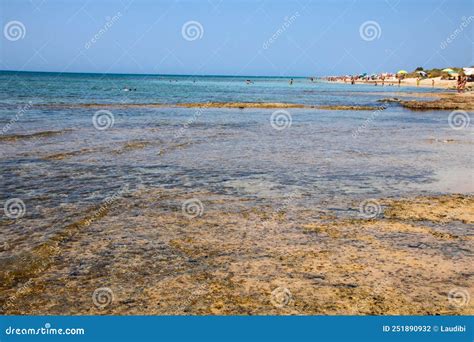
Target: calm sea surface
325,158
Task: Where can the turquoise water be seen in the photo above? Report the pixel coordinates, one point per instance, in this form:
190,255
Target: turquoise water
94,88
319,161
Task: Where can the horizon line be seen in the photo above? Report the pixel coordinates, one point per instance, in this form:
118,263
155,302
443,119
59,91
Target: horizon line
150,74
192,75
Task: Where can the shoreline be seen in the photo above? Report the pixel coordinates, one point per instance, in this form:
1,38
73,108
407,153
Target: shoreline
410,82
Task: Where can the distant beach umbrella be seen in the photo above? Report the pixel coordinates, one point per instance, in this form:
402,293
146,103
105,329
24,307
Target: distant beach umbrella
468,71
448,70
402,72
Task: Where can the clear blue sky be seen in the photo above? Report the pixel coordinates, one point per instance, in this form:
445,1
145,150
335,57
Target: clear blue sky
322,37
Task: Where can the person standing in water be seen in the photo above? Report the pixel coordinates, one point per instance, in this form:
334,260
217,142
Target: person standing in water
464,82
458,87
461,83
291,81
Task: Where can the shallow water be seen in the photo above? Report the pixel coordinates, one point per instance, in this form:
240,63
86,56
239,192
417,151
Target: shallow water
131,179
323,156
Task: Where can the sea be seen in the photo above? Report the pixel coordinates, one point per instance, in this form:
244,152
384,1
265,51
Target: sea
70,141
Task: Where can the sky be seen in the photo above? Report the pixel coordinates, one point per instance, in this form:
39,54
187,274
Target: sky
232,37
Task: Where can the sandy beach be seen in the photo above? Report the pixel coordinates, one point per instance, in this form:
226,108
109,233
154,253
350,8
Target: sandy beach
412,82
